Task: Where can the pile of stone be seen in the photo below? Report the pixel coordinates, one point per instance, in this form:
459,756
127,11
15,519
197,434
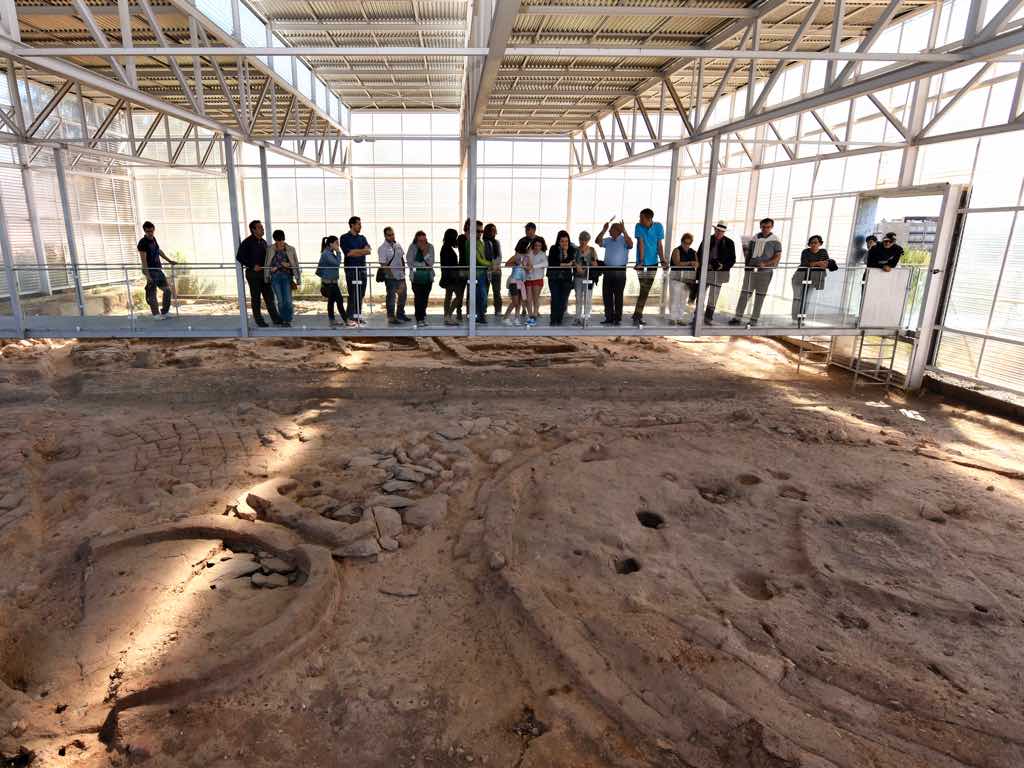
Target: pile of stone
263,569
349,530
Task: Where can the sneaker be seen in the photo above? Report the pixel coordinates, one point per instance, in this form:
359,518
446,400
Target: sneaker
735,321
530,323
638,322
159,317
351,323
708,319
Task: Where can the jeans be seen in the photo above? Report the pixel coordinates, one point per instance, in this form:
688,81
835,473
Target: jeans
804,293
157,279
614,285
354,275
584,291
559,288
421,295
281,282
754,283
496,290
396,295
258,289
647,275
483,287
716,279
332,291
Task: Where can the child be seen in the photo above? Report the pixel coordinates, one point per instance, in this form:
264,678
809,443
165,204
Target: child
516,288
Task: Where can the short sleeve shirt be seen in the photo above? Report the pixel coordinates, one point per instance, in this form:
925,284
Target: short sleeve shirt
350,242
152,250
616,252
650,237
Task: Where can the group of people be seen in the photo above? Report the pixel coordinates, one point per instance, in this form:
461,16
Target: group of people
272,272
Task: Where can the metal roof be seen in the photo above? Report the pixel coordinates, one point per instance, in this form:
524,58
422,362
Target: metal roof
547,92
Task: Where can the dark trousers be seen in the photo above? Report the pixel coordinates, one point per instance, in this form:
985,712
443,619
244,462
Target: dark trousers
332,291
496,290
453,296
613,286
157,279
420,297
395,300
560,290
355,281
258,289
647,275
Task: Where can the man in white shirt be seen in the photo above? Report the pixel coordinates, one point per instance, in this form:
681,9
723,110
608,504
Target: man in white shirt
391,256
762,256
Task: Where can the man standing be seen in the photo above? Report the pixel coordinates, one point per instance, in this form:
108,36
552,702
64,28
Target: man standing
886,254
152,269
252,252
493,249
616,257
526,241
721,257
355,248
650,252
761,257
391,256
465,253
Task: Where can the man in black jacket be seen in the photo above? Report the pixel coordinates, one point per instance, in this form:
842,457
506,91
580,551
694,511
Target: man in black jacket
886,254
721,258
252,253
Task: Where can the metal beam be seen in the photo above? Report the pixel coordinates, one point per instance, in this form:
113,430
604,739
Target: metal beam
674,11
304,51
47,110
502,23
236,229
285,27
869,39
705,236
85,14
69,227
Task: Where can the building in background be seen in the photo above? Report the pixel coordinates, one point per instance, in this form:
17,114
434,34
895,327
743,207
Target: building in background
912,232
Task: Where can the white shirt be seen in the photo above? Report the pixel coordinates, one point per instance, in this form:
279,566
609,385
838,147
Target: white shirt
392,255
538,263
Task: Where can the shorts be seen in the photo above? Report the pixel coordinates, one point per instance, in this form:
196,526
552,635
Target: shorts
535,283
513,290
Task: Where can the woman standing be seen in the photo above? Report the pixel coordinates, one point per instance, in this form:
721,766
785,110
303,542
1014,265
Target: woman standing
328,270
421,274
281,270
535,264
809,276
561,259
682,278
584,278
452,278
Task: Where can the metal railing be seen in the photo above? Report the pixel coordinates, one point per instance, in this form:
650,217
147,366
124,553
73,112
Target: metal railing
592,300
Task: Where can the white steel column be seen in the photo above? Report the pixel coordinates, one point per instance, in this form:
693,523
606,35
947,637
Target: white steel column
709,216
236,228
28,185
69,226
12,276
670,225
125,19
934,278
471,235
265,181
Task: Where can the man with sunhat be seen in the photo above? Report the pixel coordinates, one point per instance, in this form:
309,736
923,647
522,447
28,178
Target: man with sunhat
721,256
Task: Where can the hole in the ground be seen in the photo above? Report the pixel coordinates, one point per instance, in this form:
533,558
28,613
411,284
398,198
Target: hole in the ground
981,609
627,565
748,479
650,519
754,585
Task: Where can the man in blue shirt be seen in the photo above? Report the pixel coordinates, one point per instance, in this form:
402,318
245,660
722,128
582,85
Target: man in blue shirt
356,249
613,271
650,252
152,268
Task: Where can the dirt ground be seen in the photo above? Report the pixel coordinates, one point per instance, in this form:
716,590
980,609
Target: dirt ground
546,553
